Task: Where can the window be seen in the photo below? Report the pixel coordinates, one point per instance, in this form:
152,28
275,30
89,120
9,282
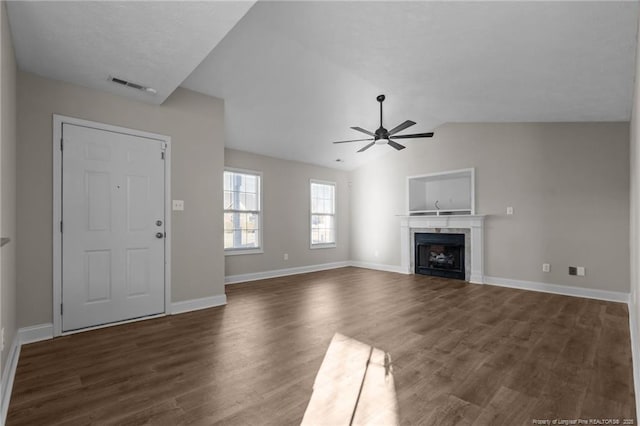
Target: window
323,214
242,207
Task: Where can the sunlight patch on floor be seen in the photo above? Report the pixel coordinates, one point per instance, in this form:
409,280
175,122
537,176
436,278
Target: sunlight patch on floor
354,386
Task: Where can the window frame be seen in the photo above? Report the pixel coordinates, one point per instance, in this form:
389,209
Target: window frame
334,244
253,250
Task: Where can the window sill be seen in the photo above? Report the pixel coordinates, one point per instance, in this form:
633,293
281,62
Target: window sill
236,252
323,246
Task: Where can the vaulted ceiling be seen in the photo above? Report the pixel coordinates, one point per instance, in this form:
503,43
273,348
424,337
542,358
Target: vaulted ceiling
296,75
155,44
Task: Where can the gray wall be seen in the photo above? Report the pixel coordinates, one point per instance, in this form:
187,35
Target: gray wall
634,238
567,182
286,214
195,123
8,72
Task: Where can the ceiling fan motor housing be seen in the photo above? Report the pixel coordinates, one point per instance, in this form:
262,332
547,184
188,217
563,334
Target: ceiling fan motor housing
382,135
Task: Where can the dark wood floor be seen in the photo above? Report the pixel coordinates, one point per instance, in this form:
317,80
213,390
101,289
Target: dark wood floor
462,354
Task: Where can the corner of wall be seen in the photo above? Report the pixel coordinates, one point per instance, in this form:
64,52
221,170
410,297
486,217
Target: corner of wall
634,217
8,288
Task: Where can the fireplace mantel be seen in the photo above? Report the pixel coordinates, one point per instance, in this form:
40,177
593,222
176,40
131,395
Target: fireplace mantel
475,223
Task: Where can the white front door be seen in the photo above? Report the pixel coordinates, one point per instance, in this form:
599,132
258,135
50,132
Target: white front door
113,227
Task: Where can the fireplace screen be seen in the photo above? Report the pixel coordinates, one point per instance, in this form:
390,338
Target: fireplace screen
440,254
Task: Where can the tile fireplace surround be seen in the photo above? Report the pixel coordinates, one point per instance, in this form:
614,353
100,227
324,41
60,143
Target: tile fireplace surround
409,225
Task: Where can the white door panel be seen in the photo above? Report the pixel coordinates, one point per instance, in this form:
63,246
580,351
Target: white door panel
112,208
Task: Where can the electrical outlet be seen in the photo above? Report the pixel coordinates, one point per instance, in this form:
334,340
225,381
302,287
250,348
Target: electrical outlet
546,267
178,205
286,256
509,211
581,271
573,270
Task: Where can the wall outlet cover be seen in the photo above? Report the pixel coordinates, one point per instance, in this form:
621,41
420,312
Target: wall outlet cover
178,205
509,210
581,271
546,267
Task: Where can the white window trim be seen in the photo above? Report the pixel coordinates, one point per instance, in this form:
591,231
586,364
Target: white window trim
258,250
335,215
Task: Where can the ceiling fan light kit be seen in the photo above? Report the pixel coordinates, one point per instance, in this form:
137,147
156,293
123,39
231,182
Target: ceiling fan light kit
383,136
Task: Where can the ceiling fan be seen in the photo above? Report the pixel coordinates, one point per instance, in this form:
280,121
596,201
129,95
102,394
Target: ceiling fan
383,136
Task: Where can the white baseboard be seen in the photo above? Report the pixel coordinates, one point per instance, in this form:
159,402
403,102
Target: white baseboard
378,266
611,296
635,350
23,336
8,375
242,278
197,304
35,333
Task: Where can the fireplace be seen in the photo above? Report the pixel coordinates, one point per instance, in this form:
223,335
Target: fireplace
471,225
441,255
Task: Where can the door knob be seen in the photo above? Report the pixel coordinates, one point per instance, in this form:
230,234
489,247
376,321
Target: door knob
159,235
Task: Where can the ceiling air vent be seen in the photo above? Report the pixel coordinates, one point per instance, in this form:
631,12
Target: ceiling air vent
136,86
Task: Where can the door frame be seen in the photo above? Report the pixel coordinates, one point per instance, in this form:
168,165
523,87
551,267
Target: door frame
58,121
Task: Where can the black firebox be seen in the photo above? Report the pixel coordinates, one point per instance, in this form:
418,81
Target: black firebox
441,255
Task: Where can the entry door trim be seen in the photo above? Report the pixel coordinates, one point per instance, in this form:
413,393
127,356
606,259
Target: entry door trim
58,121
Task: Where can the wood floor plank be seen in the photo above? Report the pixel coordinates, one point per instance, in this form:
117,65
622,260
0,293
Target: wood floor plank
501,412
461,354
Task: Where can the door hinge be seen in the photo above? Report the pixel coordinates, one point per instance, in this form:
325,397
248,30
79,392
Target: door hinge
162,155
61,144
61,310
61,227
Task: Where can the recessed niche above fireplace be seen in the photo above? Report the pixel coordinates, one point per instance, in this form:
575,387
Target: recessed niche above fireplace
440,194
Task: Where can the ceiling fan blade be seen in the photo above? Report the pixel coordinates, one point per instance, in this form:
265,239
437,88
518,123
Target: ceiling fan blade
415,135
360,129
366,147
401,127
396,145
354,140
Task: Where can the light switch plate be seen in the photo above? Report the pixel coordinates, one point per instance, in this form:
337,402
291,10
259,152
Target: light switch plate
581,271
178,205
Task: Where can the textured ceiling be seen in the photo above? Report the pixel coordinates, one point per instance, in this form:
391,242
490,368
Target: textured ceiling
296,75
155,44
